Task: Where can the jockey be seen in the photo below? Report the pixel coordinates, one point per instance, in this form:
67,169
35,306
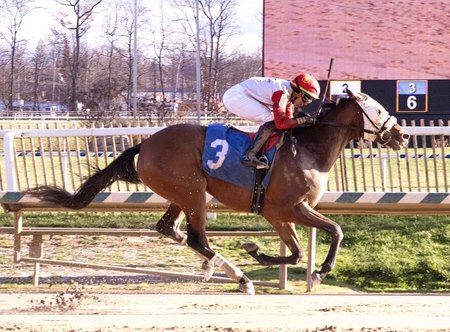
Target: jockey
270,101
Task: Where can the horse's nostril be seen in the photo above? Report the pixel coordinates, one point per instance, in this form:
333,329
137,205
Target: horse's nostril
406,136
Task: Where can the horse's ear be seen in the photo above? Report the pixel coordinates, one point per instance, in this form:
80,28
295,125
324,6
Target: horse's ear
356,96
350,94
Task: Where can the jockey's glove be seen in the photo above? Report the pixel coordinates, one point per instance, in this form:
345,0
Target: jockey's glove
307,119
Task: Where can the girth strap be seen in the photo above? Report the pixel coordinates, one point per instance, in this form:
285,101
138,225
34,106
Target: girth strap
260,174
258,191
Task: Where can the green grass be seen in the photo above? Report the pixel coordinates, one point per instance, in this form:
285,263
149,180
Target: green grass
395,253
379,253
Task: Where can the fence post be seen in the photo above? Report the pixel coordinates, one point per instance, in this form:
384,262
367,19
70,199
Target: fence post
10,170
311,259
17,236
282,272
36,250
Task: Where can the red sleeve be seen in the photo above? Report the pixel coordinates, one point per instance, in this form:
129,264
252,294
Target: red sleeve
289,110
282,111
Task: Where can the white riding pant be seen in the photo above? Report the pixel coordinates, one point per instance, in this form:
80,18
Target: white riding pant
239,102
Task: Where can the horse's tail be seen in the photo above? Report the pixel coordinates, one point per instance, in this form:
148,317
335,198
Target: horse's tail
121,169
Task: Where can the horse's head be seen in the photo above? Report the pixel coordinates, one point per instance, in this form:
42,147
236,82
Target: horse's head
367,118
379,126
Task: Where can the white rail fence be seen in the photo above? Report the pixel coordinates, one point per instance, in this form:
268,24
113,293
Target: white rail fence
413,181
61,156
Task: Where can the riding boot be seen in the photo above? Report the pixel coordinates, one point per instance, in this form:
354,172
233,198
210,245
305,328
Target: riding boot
250,159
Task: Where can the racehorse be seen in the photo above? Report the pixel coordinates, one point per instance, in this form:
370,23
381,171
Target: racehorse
169,163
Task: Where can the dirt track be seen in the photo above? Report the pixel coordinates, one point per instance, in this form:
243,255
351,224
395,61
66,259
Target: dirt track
197,307
224,312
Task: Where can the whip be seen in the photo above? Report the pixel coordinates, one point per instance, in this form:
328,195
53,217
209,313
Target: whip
328,81
326,88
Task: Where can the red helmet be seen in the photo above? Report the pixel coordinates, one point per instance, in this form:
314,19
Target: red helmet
307,84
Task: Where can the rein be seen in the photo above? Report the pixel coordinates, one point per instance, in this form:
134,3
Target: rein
381,132
361,129
339,125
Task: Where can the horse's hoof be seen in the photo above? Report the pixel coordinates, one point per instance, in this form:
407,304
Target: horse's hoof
181,240
247,288
316,278
208,270
246,285
250,247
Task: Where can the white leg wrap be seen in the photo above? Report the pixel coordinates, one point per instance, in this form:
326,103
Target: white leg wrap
210,266
217,260
230,269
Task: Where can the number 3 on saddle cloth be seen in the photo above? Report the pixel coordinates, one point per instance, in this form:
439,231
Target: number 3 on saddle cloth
223,150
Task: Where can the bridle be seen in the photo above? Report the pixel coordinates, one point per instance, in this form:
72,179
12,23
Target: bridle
381,132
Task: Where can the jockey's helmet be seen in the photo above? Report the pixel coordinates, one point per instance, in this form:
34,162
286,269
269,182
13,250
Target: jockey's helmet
307,84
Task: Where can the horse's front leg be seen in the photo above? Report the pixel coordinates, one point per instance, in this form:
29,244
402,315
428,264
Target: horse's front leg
288,235
309,217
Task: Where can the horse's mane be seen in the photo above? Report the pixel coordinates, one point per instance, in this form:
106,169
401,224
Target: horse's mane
327,108
330,107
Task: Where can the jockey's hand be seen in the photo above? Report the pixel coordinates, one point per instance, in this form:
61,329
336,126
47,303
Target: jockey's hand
310,120
306,120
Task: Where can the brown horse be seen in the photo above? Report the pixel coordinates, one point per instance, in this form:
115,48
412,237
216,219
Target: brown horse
169,163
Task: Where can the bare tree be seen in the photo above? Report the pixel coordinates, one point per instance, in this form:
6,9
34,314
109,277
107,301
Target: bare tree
162,45
239,67
177,68
124,31
62,68
4,76
65,69
215,35
39,61
218,14
112,35
13,14
78,22
108,72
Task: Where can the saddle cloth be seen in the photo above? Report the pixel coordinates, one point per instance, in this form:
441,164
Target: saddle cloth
222,152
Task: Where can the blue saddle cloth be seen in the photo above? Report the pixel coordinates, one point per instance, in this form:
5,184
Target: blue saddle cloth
222,152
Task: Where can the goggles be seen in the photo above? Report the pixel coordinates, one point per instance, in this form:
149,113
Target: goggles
306,99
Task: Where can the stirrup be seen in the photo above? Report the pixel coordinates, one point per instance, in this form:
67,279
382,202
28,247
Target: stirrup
253,162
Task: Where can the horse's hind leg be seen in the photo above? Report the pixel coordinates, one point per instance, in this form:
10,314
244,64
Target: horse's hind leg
197,240
169,224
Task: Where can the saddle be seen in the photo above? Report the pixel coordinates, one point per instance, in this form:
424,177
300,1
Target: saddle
221,158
